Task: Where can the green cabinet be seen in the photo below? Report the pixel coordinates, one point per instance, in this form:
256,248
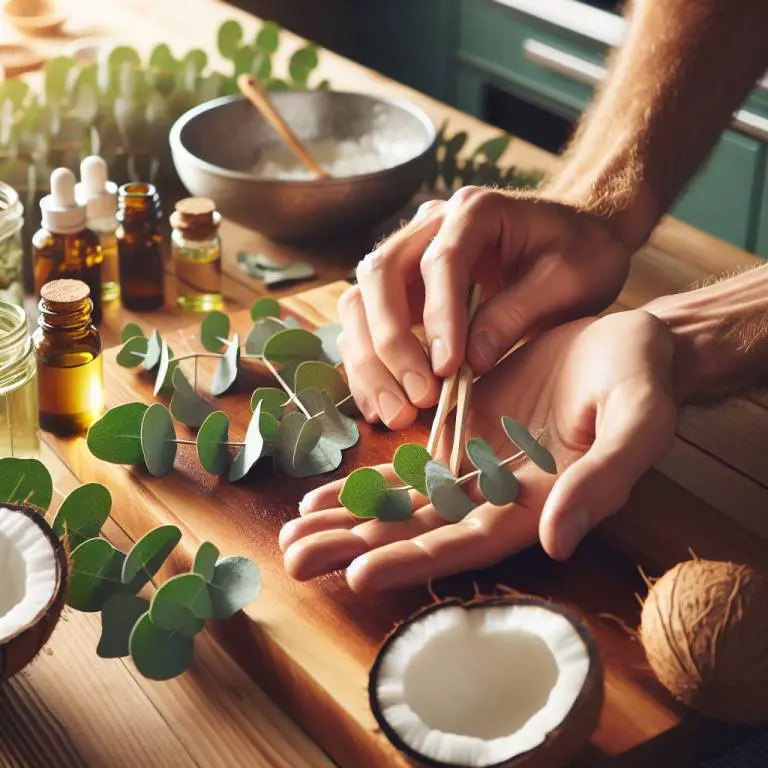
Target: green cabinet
761,205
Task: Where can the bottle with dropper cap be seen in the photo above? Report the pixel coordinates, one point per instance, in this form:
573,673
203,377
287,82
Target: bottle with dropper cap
99,195
64,247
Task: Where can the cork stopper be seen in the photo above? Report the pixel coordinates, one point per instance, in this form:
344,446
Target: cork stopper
196,216
63,293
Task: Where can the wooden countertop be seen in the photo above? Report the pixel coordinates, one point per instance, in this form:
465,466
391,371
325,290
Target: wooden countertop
71,708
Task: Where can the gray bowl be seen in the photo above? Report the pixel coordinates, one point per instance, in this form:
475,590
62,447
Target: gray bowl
215,144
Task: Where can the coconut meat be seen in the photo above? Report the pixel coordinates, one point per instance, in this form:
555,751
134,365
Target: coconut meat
479,687
28,572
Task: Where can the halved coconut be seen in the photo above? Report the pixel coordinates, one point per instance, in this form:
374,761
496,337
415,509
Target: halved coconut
33,579
490,683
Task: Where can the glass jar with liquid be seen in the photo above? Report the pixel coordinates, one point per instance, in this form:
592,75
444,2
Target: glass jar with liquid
11,251
18,385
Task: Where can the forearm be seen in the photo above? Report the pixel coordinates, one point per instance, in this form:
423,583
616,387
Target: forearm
683,69
721,336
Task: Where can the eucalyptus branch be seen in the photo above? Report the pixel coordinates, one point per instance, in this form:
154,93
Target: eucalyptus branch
283,383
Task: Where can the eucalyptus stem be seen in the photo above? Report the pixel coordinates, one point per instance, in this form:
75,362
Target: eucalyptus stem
196,356
283,383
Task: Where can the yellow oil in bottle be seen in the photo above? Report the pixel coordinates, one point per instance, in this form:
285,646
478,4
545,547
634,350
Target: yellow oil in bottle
110,268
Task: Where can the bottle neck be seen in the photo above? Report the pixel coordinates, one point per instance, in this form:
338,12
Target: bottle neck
139,206
70,317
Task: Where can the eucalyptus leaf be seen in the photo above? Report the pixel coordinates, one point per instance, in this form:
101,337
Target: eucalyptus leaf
159,654
181,604
291,347
410,463
164,371
302,63
95,568
119,616
212,450
205,562
525,441
337,427
196,59
300,270
82,514
158,440
252,451
450,502
162,58
301,449
395,506
186,405
363,492
226,369
214,331
261,333
316,374
497,483
148,555
328,336
265,307
133,352
236,583
154,349
268,37
493,149
25,481
116,436
131,331
273,401
229,37
56,72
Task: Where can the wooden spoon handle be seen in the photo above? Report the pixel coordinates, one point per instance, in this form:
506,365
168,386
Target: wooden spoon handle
251,88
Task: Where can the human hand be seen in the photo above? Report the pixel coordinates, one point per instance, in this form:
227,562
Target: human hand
539,262
601,389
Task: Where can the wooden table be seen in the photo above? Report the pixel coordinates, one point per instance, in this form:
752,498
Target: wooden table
69,708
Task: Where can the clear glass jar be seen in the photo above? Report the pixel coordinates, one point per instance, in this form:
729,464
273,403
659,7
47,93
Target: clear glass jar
11,251
19,434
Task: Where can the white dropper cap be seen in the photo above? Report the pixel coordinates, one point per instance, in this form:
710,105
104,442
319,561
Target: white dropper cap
62,214
95,191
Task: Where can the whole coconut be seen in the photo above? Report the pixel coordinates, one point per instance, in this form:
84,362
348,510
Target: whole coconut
705,633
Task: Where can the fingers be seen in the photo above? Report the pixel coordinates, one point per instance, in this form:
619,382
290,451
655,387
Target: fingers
635,429
302,527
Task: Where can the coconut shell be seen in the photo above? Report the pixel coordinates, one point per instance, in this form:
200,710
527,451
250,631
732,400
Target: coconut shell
562,744
19,649
705,633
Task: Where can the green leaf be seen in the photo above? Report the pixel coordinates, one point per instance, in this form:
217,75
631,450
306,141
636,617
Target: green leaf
197,59
154,349
119,616
450,502
302,63
261,65
116,436
261,333
164,369
205,563
409,462
497,483
300,448
56,72
273,401
323,85
363,492
25,481
276,85
158,440
328,336
300,270
186,405
133,352
131,331
268,38
157,653
181,604
124,54
291,347
525,441
214,331
82,514
94,575
212,450
236,583
229,37
395,506
493,149
15,90
162,58
316,374
148,555
265,307
337,427
252,451
226,369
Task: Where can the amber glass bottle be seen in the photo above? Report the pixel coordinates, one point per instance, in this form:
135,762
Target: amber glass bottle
64,247
69,363
140,247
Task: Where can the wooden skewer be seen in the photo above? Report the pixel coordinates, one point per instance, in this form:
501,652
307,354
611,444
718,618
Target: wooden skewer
251,88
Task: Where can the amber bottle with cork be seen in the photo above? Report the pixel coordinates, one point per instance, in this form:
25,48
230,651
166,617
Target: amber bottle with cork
196,250
140,247
69,362
64,247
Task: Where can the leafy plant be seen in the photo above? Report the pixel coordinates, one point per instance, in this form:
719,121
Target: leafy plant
157,631
303,423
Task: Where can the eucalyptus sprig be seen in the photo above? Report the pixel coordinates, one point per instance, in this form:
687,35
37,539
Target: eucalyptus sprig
366,493
156,630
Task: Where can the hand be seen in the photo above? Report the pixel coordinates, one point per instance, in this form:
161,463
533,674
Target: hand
538,261
601,389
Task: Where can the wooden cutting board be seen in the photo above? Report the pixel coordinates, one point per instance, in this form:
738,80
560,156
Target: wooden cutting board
310,645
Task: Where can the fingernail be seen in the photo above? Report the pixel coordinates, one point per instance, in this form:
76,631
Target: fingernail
356,565
389,405
438,353
570,532
415,385
486,346
306,502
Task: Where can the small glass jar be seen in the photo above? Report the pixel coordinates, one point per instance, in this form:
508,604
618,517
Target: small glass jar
11,250
19,434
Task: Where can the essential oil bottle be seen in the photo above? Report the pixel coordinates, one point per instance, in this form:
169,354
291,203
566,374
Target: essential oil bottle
140,247
196,250
69,362
64,247
99,195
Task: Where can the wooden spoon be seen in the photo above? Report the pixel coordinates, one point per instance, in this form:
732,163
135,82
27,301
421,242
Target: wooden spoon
251,88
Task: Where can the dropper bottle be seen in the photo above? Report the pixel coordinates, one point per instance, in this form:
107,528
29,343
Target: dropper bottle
99,195
64,247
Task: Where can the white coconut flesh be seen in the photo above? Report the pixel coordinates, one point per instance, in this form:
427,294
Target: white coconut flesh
479,687
28,572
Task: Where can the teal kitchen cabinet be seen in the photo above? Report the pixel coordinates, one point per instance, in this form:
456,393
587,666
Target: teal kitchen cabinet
761,244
